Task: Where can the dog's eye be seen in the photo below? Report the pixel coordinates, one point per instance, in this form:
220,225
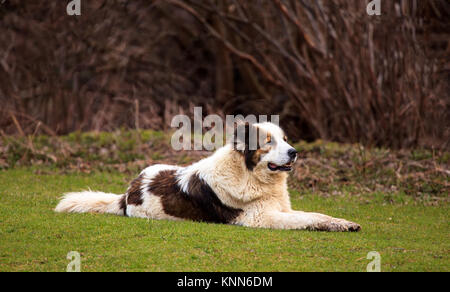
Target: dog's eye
269,139
285,138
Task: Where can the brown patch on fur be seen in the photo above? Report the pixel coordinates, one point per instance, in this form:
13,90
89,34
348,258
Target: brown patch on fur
262,151
200,203
123,204
134,192
251,160
251,157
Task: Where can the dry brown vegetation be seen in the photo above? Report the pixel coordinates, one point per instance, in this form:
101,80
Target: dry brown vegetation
326,67
325,168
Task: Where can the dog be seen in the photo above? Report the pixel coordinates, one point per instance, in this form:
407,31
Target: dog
235,185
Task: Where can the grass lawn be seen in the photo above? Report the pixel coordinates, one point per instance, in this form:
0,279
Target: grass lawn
409,235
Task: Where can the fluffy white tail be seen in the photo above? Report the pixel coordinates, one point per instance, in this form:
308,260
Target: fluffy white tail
83,202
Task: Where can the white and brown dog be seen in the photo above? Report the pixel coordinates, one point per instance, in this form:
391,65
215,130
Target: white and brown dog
235,185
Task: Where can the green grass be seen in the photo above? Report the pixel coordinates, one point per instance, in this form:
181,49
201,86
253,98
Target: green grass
409,235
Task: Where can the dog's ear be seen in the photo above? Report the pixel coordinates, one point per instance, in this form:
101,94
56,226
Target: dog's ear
245,137
246,142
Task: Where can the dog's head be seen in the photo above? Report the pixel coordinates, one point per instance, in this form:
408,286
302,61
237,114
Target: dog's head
264,146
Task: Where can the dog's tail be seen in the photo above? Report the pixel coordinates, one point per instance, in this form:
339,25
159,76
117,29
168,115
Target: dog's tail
88,201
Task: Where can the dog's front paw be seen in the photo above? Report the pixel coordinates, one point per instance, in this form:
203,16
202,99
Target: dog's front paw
336,225
350,226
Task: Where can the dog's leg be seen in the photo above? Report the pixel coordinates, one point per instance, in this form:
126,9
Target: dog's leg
307,221
328,223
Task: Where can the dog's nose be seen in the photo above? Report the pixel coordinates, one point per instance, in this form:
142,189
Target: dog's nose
292,153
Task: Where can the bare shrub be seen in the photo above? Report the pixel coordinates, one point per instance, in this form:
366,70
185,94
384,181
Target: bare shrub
330,70
342,74
95,72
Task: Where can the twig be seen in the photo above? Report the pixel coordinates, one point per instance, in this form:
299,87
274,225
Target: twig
136,116
16,123
227,44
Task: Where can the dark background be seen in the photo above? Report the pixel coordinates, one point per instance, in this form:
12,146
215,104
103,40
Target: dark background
327,68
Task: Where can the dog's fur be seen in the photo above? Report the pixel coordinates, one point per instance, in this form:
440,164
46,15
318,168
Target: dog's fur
235,185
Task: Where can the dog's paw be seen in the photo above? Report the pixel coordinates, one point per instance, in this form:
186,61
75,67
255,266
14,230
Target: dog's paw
336,225
342,225
354,227
351,226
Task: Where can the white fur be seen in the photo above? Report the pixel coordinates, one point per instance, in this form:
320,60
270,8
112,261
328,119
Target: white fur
89,201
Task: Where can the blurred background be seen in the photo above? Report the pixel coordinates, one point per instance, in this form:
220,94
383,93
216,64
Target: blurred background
327,68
